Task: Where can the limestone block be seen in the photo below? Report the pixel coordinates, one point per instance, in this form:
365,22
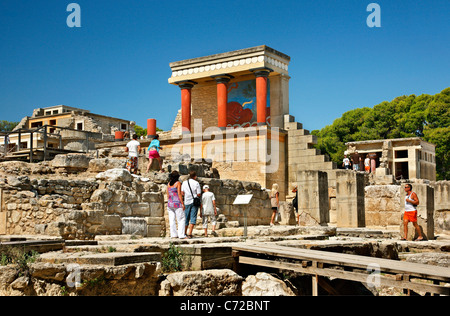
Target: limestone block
112,222
155,230
156,209
115,175
140,209
119,208
95,217
264,284
204,283
151,197
103,164
101,196
350,208
71,161
313,194
119,196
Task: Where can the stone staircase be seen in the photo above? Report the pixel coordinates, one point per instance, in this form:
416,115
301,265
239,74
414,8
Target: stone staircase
302,155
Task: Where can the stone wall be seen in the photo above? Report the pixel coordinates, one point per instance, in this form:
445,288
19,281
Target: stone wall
80,209
383,207
258,211
44,206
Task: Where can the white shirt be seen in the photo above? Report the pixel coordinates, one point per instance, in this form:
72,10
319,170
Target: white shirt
133,148
367,162
207,203
346,161
409,207
195,186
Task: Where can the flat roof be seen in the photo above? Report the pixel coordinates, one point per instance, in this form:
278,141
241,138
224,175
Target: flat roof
415,139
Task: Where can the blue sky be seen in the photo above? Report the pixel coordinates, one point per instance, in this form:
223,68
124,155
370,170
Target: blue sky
117,63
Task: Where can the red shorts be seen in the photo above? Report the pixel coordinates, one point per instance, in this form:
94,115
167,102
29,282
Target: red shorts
153,154
410,216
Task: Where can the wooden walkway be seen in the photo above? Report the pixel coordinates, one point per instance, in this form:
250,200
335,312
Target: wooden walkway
370,270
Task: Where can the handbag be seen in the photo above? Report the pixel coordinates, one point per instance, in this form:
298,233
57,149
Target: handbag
197,201
278,216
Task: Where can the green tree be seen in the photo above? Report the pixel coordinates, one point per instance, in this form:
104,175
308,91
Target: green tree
6,126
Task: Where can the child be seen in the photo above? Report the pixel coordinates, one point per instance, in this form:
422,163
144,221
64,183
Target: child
208,210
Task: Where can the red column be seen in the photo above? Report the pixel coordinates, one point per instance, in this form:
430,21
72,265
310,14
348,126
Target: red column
151,128
222,100
261,95
186,106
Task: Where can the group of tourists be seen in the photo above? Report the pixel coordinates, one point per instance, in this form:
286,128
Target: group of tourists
185,199
360,165
133,148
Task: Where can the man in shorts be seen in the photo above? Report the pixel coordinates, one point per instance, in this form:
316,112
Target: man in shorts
208,210
410,215
133,149
190,189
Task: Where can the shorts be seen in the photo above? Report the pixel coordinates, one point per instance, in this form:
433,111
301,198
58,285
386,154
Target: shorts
153,154
211,218
132,163
367,168
411,216
191,214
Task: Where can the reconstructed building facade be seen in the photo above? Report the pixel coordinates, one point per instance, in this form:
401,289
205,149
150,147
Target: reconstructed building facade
403,158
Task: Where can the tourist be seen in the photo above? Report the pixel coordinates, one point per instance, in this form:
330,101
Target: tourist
367,164
153,153
208,210
295,202
410,215
191,191
346,163
275,202
355,164
175,206
133,148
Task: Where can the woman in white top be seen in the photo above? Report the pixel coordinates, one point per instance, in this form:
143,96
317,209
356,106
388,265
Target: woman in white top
410,215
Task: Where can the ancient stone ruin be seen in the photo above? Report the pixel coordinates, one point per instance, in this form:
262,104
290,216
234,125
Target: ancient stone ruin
81,224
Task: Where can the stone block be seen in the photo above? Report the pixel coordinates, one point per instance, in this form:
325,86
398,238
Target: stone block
95,217
350,207
156,209
101,196
75,162
112,223
313,195
140,209
152,197
119,208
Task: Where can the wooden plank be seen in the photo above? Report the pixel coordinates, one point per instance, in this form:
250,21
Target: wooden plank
346,275
386,265
218,263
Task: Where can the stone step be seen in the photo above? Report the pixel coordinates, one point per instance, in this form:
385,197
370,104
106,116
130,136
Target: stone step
109,259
